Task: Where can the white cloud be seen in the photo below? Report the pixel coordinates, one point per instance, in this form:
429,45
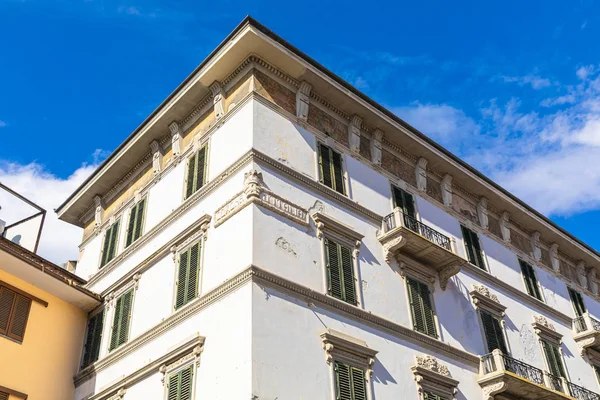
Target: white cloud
534,81
59,239
585,71
129,10
2,124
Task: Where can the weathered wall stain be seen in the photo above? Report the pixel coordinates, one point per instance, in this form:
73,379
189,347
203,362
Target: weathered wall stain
285,245
528,343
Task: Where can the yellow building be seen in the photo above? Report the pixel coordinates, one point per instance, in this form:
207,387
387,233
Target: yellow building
43,314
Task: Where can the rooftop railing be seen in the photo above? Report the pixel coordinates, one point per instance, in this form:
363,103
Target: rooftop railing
398,218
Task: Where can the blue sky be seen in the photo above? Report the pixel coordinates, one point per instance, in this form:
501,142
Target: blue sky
511,87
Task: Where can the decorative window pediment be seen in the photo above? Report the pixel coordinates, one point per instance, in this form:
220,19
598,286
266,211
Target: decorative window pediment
486,300
545,329
329,226
434,377
341,347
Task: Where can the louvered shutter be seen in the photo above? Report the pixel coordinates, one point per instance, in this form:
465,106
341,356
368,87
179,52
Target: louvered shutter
173,390
493,332
325,163
577,301
474,253
333,269
358,384
93,339
139,219
131,226
7,298
554,359
113,239
19,317
188,275
432,396
343,381
348,274
189,182
114,337
477,250
414,298
3,396
105,247
200,169
338,173
110,243
427,310
120,329
531,282
181,279
468,245
180,385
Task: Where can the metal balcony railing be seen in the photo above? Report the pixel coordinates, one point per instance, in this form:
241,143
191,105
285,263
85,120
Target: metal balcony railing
398,218
496,361
586,322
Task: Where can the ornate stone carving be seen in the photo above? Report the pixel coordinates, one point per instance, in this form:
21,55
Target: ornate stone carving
581,275
486,292
431,363
156,157
342,347
535,246
446,185
504,228
99,209
193,357
119,395
176,136
218,99
447,272
421,174
482,212
554,257
592,281
354,133
545,329
303,100
253,183
491,390
485,299
538,319
389,248
376,138
136,280
431,375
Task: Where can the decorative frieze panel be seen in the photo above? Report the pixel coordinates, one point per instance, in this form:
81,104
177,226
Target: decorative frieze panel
255,193
484,299
345,348
545,329
433,376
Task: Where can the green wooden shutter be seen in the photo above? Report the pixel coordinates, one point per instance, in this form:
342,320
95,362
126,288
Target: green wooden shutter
421,308
531,282
554,359
120,328
325,164
432,396
191,171
110,243
200,169
466,233
333,269
348,274
493,333
136,220
474,253
343,381
577,301
7,298
597,371
105,247
93,339
188,276
180,385
131,226
405,201
338,173
359,389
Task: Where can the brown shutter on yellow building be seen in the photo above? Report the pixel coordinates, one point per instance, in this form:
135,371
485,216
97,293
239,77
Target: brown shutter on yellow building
3,396
14,313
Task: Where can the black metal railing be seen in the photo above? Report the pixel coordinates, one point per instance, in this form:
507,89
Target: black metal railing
554,382
524,370
389,223
581,393
579,324
595,324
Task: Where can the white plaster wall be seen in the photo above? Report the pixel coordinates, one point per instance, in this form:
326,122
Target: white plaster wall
368,187
289,361
89,257
25,234
284,140
226,324
165,196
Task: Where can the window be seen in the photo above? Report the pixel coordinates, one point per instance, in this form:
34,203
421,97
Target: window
93,339
577,301
405,201
196,172
553,358
3,396
474,253
340,271
494,335
14,312
349,382
109,249
531,282
421,309
188,276
121,320
180,384
432,396
330,168
136,222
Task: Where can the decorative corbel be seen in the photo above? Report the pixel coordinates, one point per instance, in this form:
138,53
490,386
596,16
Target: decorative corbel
119,395
99,209
554,260
390,247
109,300
157,156
176,136
482,212
421,174
303,100
376,139
136,280
592,281
504,229
535,246
218,99
204,228
137,196
174,253
448,272
581,275
253,183
447,190
354,133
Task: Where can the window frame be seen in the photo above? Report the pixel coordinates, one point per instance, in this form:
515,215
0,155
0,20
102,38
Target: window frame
112,222
430,286
143,198
486,301
132,287
393,187
198,238
197,146
580,294
330,144
192,365
502,327
354,272
537,281
469,227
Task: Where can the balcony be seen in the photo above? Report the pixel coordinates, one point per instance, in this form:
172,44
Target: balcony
402,234
501,374
586,331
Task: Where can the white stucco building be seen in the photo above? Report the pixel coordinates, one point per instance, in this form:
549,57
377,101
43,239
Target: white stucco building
269,232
